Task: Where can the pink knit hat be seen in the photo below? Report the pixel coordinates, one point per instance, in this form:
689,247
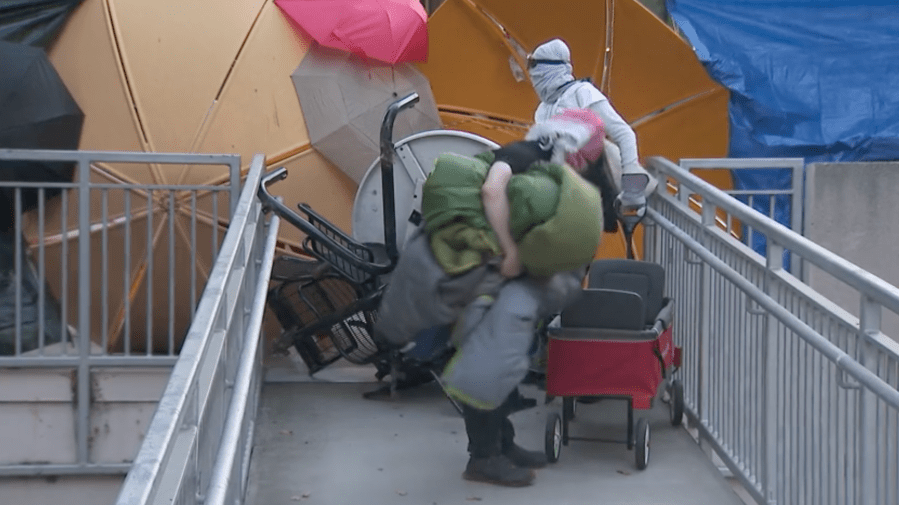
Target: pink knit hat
576,136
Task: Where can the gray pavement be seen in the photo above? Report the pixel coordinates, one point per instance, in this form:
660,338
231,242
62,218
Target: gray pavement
320,442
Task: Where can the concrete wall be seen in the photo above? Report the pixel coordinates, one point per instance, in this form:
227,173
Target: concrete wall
38,412
852,209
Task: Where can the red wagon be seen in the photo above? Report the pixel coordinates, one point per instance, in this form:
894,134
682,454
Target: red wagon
615,341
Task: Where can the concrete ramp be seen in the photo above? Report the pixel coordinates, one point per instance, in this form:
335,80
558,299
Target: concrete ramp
320,442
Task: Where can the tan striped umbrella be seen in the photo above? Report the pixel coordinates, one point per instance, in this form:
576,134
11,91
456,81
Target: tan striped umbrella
172,76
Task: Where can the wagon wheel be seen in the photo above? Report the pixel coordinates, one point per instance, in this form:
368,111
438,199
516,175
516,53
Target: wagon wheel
642,444
553,441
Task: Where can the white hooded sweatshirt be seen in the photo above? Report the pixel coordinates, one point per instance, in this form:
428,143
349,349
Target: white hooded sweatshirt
558,90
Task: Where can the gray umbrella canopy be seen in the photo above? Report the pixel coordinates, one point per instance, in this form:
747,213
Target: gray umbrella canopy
344,99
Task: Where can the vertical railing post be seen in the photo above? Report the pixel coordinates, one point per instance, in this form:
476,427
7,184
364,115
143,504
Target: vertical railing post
772,361
18,267
705,323
683,195
652,239
234,193
796,216
869,323
84,306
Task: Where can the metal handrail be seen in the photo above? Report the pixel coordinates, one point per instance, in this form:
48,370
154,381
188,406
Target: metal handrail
880,291
78,354
796,396
223,480
176,423
845,362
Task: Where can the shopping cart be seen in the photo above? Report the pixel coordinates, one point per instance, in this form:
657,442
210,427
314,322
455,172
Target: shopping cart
327,303
615,341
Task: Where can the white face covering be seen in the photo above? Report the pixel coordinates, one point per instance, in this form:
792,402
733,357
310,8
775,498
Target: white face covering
548,78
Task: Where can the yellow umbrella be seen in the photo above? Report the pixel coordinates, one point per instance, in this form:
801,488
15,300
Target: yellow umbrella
477,61
171,76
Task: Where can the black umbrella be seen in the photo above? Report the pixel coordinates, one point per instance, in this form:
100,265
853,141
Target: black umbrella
36,112
33,22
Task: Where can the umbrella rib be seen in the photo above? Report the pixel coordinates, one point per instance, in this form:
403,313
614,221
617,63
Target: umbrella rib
299,151
487,124
105,170
138,276
240,51
477,113
112,223
203,267
208,219
203,129
289,246
676,105
498,30
136,281
605,82
215,225
123,67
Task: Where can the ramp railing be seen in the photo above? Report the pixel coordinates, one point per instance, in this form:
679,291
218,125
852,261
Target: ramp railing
94,293
197,448
797,397
783,201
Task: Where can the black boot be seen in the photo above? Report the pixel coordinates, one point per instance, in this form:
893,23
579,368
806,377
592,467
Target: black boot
499,470
524,458
518,455
487,462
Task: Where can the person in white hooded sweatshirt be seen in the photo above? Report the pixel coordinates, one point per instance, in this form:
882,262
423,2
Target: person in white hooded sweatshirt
550,70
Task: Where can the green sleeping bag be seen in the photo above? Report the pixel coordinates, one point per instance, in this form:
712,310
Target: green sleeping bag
555,216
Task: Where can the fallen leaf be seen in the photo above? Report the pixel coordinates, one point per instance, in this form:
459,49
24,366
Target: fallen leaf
307,495
622,472
287,432
401,493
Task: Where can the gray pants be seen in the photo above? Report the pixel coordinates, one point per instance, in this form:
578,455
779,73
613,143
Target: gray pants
493,337
420,295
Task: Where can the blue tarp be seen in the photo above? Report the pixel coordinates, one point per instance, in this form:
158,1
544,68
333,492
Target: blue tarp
814,79
811,79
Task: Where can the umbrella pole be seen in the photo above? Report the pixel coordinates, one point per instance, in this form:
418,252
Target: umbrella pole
387,184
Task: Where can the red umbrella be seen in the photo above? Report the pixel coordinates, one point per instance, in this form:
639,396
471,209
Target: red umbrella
392,31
